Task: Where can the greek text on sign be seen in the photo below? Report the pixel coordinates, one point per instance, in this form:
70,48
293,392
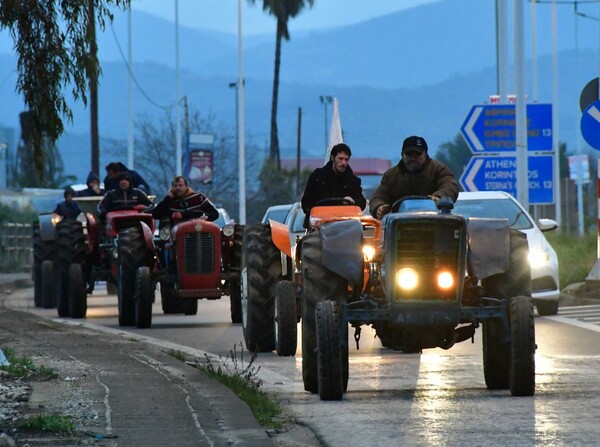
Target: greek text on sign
492,128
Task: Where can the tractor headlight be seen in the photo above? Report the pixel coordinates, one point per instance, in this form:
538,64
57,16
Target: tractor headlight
407,278
445,280
56,218
368,252
538,258
164,234
228,230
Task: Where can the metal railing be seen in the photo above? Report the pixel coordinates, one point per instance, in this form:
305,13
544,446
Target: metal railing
16,247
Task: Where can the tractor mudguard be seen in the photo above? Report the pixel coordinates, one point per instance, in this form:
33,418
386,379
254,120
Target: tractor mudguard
342,249
48,226
280,236
489,246
148,236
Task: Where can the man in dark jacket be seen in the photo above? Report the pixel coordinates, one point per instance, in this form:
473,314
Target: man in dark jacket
114,168
93,187
183,199
68,208
335,179
415,175
125,197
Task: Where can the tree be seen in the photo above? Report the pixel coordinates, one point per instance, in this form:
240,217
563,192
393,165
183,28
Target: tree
52,40
282,10
455,155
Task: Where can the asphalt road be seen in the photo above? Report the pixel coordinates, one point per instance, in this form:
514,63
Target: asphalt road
437,398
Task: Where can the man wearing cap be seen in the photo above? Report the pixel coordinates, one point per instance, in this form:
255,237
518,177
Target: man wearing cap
124,197
415,175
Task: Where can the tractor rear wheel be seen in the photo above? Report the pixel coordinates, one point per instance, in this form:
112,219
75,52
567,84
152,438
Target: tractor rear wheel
144,296
286,319
318,284
522,347
496,355
126,296
71,249
42,251
261,269
235,298
190,306
330,353
133,253
48,283
77,293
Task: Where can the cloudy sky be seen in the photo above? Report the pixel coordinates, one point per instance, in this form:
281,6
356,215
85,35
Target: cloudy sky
221,15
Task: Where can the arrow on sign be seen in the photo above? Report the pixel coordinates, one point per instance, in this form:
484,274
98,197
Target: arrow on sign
470,124
590,125
470,178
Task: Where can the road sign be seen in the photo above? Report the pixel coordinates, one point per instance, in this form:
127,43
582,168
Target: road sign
590,124
491,128
491,173
589,94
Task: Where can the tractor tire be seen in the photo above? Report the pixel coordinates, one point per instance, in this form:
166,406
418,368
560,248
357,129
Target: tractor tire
76,292
133,252
111,288
261,269
144,296
318,284
170,300
547,308
126,296
516,280
190,306
62,295
71,248
48,284
235,298
496,355
522,347
329,351
42,251
286,319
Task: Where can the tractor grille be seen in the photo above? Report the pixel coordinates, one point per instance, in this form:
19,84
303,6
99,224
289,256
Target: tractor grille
429,248
199,253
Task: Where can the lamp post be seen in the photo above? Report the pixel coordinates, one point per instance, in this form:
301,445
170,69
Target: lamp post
237,127
325,100
3,154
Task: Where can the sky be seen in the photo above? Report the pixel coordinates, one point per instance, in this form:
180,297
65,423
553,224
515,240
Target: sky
222,15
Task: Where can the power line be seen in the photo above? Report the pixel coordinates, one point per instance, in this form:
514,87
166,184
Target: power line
150,100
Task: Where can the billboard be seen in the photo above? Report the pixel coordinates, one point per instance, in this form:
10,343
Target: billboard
199,158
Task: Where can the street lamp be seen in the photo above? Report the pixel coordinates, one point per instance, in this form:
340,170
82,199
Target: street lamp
237,127
325,100
3,154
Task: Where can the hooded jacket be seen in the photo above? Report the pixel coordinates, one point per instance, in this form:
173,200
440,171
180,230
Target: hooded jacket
434,178
122,199
89,192
323,183
136,180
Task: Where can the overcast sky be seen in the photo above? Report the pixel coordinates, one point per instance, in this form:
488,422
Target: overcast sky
222,15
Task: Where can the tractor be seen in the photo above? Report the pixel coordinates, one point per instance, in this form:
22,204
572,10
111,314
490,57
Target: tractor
45,273
432,280
196,259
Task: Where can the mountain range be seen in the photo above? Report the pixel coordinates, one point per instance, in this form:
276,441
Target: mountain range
417,71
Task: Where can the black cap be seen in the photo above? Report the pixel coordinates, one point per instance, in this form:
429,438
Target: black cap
414,144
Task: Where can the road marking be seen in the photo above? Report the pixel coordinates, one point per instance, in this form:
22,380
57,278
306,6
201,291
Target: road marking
585,317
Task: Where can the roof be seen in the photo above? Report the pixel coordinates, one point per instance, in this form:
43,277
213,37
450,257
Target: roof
360,166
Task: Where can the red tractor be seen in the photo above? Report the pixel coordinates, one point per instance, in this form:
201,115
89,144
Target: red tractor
198,260
89,251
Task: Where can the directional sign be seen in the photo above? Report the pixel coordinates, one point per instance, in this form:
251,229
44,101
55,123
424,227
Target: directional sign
490,173
491,128
590,125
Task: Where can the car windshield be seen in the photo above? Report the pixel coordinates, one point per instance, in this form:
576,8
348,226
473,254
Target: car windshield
494,208
277,215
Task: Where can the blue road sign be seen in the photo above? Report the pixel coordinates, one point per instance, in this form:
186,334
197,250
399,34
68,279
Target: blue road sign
590,124
491,128
490,173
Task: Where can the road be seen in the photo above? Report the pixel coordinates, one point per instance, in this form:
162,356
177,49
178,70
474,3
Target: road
437,398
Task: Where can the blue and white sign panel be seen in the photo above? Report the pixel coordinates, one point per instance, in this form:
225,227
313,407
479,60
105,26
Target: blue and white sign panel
491,128
590,124
490,173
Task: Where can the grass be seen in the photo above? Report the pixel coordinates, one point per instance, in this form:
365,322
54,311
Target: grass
24,368
181,356
51,422
576,255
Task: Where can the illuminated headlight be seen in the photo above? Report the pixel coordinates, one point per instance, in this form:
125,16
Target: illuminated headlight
407,278
165,233
228,230
537,257
368,252
56,218
445,280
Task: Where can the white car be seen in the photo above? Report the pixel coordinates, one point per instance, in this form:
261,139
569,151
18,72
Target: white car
542,257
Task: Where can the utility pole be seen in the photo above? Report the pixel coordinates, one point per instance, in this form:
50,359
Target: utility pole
95,142
298,151
325,100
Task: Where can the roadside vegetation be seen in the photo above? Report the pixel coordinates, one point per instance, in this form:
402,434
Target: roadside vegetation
49,422
576,255
24,368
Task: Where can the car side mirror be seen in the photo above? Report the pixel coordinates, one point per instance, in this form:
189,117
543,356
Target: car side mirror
547,224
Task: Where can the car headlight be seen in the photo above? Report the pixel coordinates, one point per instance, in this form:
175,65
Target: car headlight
368,252
165,233
407,278
228,230
445,280
538,257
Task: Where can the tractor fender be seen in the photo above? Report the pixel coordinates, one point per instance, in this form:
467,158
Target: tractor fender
148,236
342,249
48,224
489,246
280,236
